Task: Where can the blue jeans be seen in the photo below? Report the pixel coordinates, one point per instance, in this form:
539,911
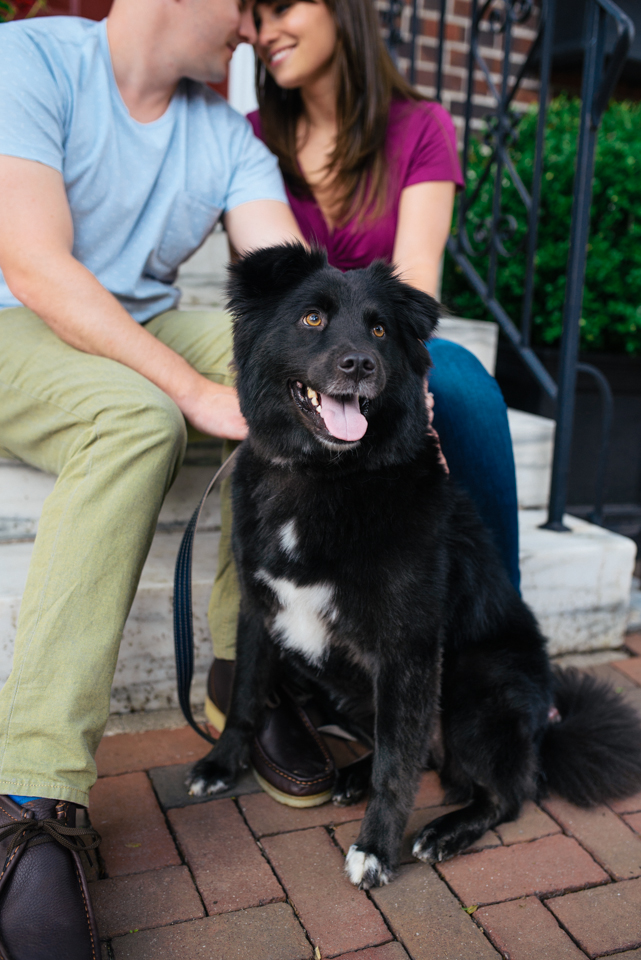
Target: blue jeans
470,418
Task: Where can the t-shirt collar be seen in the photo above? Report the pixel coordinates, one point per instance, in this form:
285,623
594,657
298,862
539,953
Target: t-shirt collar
167,116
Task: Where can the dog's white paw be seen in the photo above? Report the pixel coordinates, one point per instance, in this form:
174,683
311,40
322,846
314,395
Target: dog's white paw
423,851
431,847
200,787
365,870
196,787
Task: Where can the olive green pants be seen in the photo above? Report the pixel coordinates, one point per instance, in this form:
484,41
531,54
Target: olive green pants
115,442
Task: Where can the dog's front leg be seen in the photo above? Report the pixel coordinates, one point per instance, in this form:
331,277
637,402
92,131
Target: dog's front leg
406,696
219,769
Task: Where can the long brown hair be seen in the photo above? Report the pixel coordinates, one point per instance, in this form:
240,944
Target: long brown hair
367,82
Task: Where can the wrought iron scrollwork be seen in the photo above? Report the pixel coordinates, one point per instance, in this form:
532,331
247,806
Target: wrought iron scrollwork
401,23
496,237
501,13
486,234
480,244
391,20
504,127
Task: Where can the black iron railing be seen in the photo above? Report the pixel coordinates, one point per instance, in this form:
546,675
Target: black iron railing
491,242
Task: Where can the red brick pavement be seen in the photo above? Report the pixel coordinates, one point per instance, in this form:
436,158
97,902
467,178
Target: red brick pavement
248,879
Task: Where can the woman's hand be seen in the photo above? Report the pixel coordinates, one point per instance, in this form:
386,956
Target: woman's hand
429,403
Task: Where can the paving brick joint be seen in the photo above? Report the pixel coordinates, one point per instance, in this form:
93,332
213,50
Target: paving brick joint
244,878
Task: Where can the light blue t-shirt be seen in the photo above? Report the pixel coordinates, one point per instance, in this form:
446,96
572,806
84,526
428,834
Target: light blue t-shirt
143,197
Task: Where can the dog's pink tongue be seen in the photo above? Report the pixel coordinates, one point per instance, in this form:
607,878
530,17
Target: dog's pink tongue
343,418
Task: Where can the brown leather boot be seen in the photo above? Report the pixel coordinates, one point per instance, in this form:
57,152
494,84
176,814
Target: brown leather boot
289,758
45,911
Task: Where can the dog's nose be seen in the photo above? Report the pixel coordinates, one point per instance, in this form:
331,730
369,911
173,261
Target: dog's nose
357,365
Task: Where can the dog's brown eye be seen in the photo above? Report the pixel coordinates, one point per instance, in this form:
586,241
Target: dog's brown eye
312,319
378,330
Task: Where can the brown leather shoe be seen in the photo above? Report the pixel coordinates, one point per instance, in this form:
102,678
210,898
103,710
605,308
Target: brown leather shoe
289,758
45,911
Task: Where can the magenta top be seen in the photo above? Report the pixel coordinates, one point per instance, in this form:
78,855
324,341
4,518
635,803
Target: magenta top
420,146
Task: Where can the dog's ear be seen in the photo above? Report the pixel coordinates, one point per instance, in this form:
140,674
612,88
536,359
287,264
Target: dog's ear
419,311
418,317
416,313
270,272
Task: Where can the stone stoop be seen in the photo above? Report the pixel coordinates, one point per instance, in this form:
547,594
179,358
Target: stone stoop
203,277
578,584
478,336
145,676
533,445
634,616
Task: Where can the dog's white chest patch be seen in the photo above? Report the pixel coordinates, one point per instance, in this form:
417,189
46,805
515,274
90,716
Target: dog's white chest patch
305,615
288,538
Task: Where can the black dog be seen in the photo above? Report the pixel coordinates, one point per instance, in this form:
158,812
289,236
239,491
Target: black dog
363,567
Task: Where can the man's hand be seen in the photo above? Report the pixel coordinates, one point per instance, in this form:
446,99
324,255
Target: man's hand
216,411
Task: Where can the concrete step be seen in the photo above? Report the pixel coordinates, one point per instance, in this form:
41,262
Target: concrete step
145,676
533,446
634,615
23,491
480,337
532,436
578,585
202,278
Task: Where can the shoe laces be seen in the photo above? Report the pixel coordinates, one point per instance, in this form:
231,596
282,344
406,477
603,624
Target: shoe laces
32,832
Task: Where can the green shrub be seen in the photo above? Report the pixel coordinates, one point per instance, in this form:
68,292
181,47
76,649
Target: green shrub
611,315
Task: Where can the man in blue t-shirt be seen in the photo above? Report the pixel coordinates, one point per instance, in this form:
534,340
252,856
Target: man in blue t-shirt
114,168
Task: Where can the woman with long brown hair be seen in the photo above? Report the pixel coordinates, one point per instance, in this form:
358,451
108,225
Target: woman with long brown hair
371,171
370,166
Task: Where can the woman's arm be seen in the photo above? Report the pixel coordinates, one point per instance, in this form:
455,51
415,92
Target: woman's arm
424,220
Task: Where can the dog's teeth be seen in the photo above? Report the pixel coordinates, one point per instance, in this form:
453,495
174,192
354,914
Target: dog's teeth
312,395
299,385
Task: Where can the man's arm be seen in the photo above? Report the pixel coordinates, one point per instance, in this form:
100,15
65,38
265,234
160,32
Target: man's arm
261,223
36,240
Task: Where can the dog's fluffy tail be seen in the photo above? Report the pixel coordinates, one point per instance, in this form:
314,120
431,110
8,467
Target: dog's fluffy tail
593,753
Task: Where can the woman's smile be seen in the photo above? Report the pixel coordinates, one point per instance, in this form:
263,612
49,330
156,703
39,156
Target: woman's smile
277,56
296,41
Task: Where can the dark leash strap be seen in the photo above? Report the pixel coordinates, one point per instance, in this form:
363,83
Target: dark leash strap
183,620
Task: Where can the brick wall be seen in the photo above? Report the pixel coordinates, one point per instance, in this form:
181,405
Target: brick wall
457,42
92,9
455,59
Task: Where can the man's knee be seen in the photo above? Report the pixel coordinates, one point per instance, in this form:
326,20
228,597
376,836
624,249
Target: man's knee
150,427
